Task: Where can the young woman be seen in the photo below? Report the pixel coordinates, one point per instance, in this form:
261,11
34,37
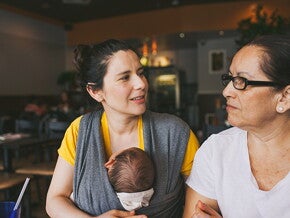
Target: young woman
113,76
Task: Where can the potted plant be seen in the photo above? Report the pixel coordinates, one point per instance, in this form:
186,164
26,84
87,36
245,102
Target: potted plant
261,24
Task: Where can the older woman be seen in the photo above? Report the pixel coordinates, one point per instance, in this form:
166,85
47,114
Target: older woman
244,171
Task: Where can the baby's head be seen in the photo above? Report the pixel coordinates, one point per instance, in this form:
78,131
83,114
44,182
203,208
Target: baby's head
131,170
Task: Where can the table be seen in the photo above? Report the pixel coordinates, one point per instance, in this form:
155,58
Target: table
9,145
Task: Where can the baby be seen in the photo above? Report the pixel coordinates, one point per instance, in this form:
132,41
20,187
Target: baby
131,173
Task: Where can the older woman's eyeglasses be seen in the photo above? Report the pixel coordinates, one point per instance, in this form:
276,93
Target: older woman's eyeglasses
241,83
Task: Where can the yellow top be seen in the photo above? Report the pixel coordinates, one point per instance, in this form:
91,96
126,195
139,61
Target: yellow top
67,149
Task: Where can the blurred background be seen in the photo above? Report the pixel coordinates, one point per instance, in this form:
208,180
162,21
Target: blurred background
185,46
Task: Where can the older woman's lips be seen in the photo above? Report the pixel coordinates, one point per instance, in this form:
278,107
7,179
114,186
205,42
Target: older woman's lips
230,107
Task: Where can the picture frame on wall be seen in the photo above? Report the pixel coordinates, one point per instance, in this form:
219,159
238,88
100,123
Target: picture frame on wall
217,61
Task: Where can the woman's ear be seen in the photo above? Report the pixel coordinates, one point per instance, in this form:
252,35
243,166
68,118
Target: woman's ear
96,94
284,102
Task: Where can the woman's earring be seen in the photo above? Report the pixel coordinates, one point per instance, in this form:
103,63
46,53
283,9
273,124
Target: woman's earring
280,109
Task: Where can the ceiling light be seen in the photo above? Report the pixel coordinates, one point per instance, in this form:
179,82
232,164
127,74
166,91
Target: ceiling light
181,35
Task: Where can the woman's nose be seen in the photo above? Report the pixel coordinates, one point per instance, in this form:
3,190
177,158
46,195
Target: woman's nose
139,82
228,90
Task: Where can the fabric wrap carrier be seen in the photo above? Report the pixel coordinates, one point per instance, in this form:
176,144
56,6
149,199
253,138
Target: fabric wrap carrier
165,138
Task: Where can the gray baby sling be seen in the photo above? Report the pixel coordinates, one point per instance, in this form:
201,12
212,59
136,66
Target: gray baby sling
165,139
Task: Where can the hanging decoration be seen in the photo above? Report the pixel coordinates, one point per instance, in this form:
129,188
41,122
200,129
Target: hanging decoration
154,47
150,55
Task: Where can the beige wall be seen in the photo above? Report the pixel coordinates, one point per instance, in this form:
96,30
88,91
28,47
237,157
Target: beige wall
201,17
32,54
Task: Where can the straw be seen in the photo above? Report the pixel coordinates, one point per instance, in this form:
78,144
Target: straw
21,194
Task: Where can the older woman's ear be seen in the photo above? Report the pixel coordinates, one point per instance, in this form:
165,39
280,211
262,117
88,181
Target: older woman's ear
284,102
287,92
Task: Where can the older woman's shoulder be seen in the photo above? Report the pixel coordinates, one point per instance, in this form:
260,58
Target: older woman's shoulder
227,134
228,139
231,132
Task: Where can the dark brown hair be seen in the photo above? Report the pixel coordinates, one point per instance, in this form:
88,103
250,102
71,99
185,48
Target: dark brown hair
91,61
275,62
132,171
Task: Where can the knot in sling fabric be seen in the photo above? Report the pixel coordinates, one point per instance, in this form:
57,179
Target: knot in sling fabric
165,138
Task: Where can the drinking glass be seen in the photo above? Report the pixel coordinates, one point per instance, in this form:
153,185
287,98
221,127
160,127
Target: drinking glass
6,210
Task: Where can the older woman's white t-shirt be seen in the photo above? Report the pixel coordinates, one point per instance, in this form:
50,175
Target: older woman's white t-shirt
222,171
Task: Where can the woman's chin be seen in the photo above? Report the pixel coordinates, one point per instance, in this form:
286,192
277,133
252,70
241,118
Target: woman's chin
233,122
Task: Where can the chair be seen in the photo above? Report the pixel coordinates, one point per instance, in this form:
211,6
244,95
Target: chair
37,171
32,167
27,123
45,168
26,126
56,129
10,186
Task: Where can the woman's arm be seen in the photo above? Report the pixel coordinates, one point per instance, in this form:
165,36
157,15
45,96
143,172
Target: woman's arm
58,203
193,205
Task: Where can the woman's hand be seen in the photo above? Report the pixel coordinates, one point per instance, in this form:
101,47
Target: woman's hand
120,214
202,210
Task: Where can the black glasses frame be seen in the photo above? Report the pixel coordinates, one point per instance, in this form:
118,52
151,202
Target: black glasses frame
226,78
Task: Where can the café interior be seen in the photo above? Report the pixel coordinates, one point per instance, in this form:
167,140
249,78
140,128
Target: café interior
184,44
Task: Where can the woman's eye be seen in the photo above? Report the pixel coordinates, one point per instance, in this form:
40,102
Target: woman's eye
125,78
